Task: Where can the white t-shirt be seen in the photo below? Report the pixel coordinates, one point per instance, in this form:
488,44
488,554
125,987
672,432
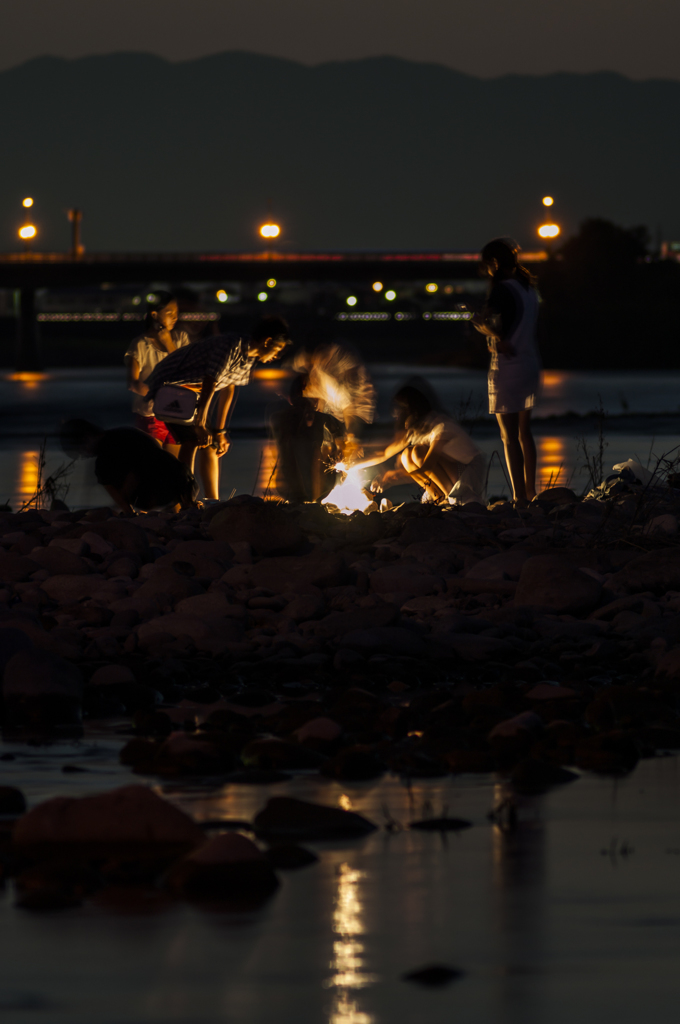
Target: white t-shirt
148,356
447,435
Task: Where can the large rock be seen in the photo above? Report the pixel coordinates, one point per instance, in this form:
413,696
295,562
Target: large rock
268,528
16,568
468,646
38,673
441,559
506,565
340,623
385,640
212,635
214,605
410,578
225,867
285,817
551,583
129,815
449,529
281,575
68,589
209,559
59,561
657,571
169,585
119,533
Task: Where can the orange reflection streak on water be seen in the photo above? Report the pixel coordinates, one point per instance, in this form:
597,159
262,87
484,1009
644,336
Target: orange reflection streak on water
552,380
551,466
265,476
27,482
348,962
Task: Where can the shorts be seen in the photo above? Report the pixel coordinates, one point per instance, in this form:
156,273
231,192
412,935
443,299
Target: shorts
156,428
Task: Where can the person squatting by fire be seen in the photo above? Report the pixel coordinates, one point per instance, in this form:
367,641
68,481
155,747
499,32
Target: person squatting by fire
433,450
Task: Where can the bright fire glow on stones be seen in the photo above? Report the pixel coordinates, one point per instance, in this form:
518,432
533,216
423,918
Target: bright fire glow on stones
349,495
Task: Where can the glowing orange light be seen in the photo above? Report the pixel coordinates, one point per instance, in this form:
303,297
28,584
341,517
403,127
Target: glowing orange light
270,230
551,460
552,379
431,287
548,200
28,474
27,377
549,230
28,202
28,231
267,373
377,286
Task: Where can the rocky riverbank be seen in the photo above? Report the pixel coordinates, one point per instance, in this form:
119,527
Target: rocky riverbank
253,640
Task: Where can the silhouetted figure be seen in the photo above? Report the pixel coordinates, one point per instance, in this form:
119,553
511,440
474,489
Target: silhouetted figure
132,467
509,323
307,447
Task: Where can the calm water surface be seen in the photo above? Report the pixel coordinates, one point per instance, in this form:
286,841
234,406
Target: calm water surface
643,421
550,923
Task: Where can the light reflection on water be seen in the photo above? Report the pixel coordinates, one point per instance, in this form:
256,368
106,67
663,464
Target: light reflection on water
348,950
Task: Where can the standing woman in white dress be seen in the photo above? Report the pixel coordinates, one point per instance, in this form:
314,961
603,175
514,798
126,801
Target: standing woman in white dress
509,323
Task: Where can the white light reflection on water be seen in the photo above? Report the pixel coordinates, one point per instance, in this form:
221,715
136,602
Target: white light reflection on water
348,951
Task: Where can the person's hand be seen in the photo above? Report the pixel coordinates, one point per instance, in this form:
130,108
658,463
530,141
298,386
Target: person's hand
203,437
165,338
223,444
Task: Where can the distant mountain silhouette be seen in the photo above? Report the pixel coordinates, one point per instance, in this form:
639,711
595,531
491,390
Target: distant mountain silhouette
379,153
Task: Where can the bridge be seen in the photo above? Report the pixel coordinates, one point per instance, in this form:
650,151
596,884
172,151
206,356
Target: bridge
28,271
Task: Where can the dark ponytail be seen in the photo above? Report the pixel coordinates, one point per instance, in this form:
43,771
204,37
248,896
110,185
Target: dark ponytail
505,251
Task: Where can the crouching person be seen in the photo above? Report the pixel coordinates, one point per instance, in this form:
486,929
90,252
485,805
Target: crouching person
131,466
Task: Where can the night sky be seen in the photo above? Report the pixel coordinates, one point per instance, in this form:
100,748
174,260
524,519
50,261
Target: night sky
482,37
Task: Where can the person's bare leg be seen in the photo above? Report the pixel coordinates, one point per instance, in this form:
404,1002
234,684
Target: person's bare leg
509,425
526,439
172,448
187,454
442,473
409,462
209,473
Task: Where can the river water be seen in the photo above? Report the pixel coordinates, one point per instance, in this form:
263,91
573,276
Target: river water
642,420
574,916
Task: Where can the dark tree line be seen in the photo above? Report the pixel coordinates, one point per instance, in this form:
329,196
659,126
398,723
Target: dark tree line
607,304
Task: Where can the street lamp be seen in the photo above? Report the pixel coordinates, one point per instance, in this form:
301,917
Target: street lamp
27,232
549,230
547,200
270,230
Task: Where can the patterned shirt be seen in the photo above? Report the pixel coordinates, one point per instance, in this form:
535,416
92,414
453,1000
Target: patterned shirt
148,355
224,358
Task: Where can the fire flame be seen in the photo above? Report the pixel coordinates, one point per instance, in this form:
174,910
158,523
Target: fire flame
349,495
